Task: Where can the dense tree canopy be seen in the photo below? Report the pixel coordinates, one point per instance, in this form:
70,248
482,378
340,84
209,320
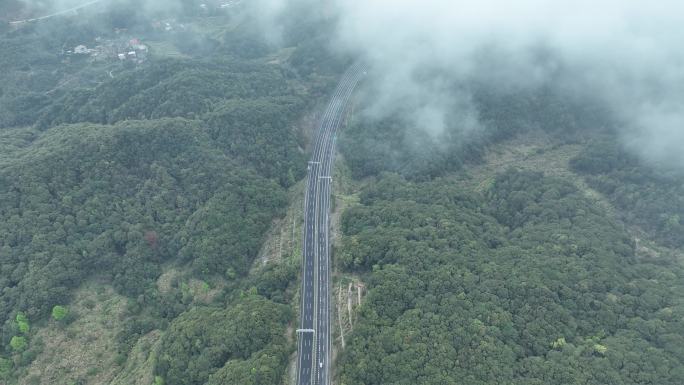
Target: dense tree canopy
260,132
528,284
424,149
168,88
247,335
118,171
88,196
650,196
121,172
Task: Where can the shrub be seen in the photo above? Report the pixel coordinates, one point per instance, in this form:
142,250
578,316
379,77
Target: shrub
59,312
18,343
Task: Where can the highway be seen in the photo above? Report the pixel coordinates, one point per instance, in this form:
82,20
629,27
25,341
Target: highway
313,350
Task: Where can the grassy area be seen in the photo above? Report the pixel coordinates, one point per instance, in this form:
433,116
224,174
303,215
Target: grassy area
215,27
539,152
165,48
344,286
533,151
138,369
82,350
12,140
283,245
283,240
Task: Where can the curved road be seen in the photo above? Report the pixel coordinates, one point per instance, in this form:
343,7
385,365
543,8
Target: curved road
313,359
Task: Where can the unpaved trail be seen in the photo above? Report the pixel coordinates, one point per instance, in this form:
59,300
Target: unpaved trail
72,9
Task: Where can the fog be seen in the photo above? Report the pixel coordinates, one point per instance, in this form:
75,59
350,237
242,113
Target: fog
47,7
622,53
625,53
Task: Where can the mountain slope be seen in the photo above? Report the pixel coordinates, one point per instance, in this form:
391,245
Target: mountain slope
530,283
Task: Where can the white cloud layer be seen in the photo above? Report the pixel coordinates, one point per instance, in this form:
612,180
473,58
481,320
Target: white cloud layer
627,53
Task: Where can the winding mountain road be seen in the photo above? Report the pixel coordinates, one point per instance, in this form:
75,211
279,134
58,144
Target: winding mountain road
313,359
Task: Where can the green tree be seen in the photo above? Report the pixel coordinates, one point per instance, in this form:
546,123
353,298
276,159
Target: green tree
59,312
18,343
22,323
5,367
529,282
204,339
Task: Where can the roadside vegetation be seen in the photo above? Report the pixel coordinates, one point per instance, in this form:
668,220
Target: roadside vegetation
528,282
486,274
156,182
149,232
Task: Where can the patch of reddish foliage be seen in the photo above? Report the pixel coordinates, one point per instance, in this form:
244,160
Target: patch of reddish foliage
151,238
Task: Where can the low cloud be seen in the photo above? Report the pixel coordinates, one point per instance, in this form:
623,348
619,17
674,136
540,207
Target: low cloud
625,54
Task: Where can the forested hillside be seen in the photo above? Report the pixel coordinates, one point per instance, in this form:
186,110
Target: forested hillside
524,278
151,194
121,200
156,176
649,195
528,283
419,151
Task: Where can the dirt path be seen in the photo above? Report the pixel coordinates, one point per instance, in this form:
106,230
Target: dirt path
63,12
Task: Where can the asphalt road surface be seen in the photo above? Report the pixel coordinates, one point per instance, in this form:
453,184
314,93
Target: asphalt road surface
313,359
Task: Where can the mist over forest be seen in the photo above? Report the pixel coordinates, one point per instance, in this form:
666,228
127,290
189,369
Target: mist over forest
507,195
430,56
